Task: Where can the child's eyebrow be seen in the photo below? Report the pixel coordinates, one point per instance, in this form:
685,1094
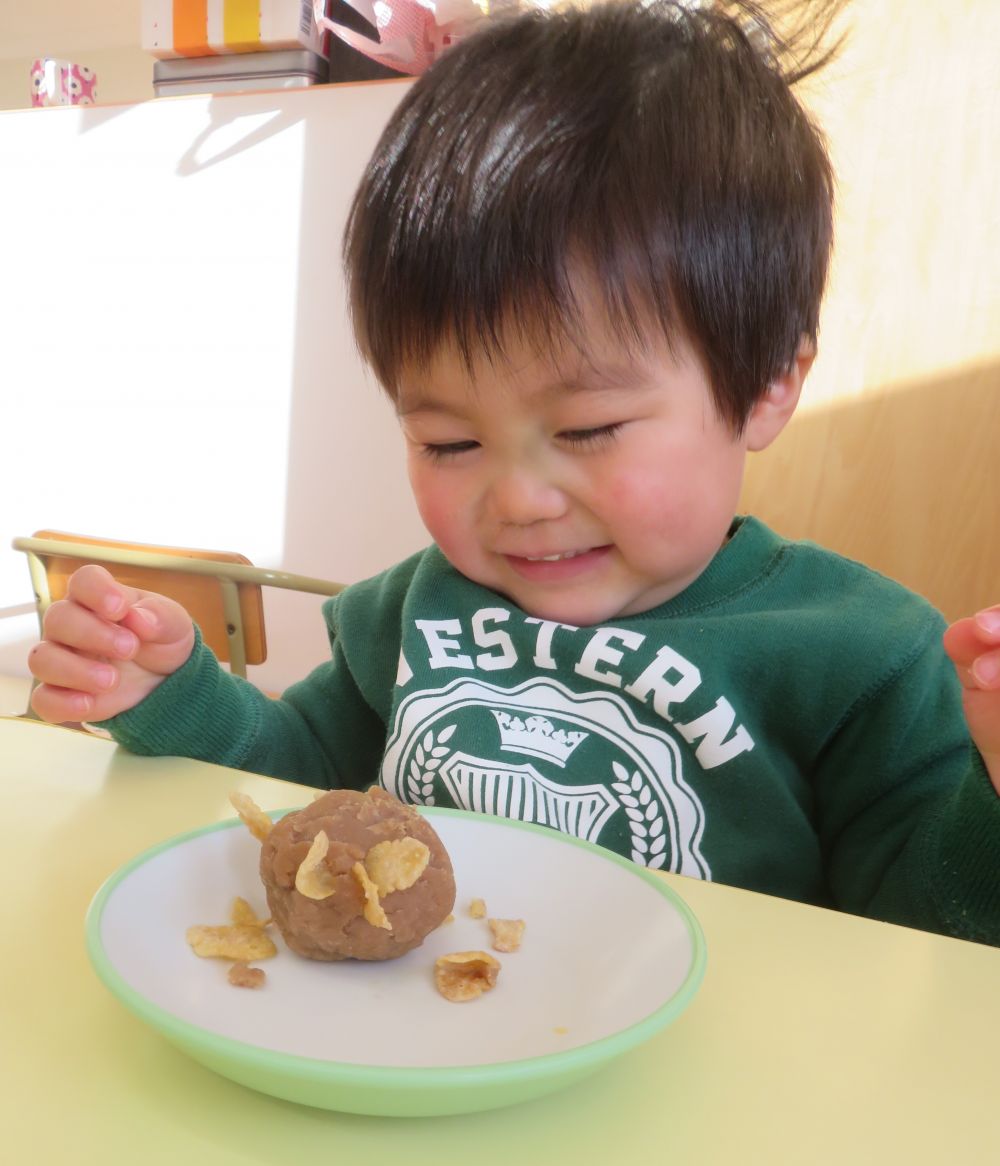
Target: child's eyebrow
585,376
420,403
598,377
613,381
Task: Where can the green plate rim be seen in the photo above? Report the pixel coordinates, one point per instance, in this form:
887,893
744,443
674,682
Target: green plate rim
459,1077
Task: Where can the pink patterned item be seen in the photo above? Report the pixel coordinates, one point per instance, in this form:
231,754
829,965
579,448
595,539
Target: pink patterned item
62,83
413,32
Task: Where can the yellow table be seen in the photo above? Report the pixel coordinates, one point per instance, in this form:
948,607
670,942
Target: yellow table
815,1038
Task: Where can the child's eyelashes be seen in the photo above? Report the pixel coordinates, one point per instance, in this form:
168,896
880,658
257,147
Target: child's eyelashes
442,450
598,435
588,438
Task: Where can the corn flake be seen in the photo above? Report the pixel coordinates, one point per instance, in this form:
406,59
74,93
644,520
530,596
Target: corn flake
477,909
313,878
243,915
253,817
373,910
241,975
507,933
231,942
395,865
465,975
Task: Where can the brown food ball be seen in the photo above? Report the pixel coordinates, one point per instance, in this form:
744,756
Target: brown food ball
335,928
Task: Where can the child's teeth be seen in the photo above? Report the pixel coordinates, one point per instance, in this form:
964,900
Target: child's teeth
552,558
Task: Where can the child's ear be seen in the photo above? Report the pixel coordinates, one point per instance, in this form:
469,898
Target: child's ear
774,410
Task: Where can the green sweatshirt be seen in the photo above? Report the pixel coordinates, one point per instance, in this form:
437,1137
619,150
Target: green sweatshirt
789,723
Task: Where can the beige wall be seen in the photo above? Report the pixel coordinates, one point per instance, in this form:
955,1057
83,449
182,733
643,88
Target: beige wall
894,456
912,113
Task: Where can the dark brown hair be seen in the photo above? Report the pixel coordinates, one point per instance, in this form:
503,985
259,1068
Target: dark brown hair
659,144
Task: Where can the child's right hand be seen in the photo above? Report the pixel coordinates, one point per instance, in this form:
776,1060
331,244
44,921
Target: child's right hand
105,647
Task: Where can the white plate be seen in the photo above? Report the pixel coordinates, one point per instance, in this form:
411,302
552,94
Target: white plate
610,956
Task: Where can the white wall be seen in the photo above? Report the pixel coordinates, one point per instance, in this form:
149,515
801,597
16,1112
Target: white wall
177,363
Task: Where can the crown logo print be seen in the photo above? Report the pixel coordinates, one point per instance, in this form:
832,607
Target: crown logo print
537,737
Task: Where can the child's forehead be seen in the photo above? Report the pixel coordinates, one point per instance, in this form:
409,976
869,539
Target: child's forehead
579,328
542,364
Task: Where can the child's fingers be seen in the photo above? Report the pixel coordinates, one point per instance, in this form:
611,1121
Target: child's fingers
973,644
94,587
967,640
54,664
105,648
985,671
154,619
961,642
149,619
76,626
988,625
58,705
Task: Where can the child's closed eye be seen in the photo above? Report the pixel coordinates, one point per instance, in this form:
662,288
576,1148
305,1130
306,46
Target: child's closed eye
595,436
588,438
442,450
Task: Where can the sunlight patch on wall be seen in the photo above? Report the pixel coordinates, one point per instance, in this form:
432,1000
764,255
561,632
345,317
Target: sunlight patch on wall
911,110
150,299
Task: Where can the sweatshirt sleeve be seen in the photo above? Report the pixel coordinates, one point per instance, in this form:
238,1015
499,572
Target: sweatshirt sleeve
321,732
910,819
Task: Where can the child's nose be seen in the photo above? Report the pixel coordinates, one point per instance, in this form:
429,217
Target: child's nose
521,496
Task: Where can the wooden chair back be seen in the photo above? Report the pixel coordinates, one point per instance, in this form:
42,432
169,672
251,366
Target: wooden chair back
221,590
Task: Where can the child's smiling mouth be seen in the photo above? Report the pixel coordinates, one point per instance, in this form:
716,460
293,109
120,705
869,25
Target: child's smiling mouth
559,565
554,558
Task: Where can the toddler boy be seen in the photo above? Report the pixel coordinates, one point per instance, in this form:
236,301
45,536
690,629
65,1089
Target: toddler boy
586,263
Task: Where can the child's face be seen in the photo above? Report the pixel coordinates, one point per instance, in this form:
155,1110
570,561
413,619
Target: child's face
581,488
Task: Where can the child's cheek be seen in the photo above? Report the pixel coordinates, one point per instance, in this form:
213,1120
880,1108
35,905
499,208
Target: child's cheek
639,503
439,508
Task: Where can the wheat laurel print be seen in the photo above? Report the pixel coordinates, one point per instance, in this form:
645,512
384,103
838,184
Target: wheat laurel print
427,757
645,818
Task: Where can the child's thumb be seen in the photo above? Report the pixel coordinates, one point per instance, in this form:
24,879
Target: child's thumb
157,620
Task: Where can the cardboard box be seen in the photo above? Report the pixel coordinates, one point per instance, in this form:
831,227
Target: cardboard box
204,28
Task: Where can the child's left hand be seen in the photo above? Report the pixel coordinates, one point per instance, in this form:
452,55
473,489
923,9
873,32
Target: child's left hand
974,647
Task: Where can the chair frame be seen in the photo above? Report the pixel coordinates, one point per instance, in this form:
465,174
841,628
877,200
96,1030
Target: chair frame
238,580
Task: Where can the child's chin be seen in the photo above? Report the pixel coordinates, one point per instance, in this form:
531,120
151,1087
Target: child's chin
574,612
